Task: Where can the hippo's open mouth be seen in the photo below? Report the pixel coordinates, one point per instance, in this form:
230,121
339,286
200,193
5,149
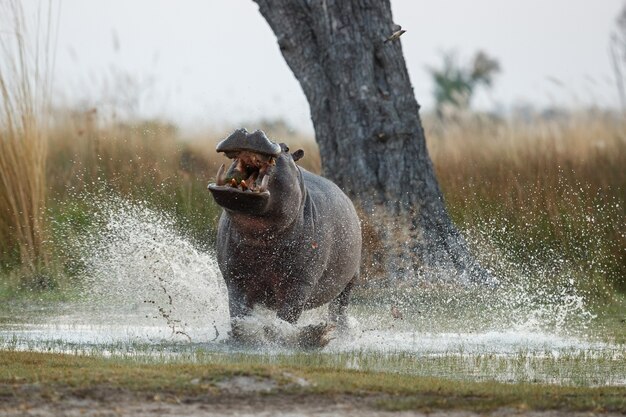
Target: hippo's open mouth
244,186
248,172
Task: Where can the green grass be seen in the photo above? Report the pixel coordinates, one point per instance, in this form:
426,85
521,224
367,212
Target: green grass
68,375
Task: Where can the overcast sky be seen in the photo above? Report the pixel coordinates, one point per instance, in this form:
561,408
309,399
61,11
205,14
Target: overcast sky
208,62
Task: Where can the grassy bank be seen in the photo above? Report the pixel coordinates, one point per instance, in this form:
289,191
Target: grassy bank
32,377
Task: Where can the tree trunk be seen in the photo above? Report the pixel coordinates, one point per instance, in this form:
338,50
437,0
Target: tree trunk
369,132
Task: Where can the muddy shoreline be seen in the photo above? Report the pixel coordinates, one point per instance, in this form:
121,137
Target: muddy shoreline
37,401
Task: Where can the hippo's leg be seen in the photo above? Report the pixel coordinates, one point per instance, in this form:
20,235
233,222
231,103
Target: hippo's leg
239,307
238,304
292,296
293,300
337,307
291,310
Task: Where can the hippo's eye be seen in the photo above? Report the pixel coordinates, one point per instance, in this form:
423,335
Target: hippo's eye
286,148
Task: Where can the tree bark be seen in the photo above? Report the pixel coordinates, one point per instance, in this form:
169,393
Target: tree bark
369,132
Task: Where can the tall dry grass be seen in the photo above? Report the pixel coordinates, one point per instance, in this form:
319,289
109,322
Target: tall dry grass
542,186
24,87
551,186
555,185
131,156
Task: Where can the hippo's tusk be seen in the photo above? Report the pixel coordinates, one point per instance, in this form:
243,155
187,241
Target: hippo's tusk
264,183
240,166
251,180
220,179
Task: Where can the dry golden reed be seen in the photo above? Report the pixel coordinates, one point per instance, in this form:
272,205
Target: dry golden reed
535,166
24,86
555,182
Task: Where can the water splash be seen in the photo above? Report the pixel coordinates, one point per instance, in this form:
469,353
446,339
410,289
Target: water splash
138,267
145,283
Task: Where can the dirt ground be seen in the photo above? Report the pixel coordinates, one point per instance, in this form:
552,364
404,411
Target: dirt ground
269,406
238,398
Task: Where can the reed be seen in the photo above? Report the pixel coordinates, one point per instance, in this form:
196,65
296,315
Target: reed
529,188
532,189
548,186
25,65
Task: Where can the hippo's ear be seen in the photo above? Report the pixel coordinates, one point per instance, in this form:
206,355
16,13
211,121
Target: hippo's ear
297,155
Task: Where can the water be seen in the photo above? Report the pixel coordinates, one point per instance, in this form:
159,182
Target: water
148,292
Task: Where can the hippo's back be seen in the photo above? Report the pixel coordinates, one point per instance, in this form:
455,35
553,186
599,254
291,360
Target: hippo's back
329,199
338,230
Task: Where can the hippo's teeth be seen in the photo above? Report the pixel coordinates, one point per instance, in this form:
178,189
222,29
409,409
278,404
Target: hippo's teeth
233,182
264,184
243,184
220,179
240,166
251,180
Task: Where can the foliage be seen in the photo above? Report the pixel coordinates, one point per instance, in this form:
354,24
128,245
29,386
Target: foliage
529,189
455,84
540,190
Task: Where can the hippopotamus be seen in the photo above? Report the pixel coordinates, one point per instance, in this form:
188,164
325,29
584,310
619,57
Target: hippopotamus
287,239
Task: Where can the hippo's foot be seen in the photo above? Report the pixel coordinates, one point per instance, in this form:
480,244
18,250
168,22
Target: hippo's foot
316,336
241,335
342,325
252,333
